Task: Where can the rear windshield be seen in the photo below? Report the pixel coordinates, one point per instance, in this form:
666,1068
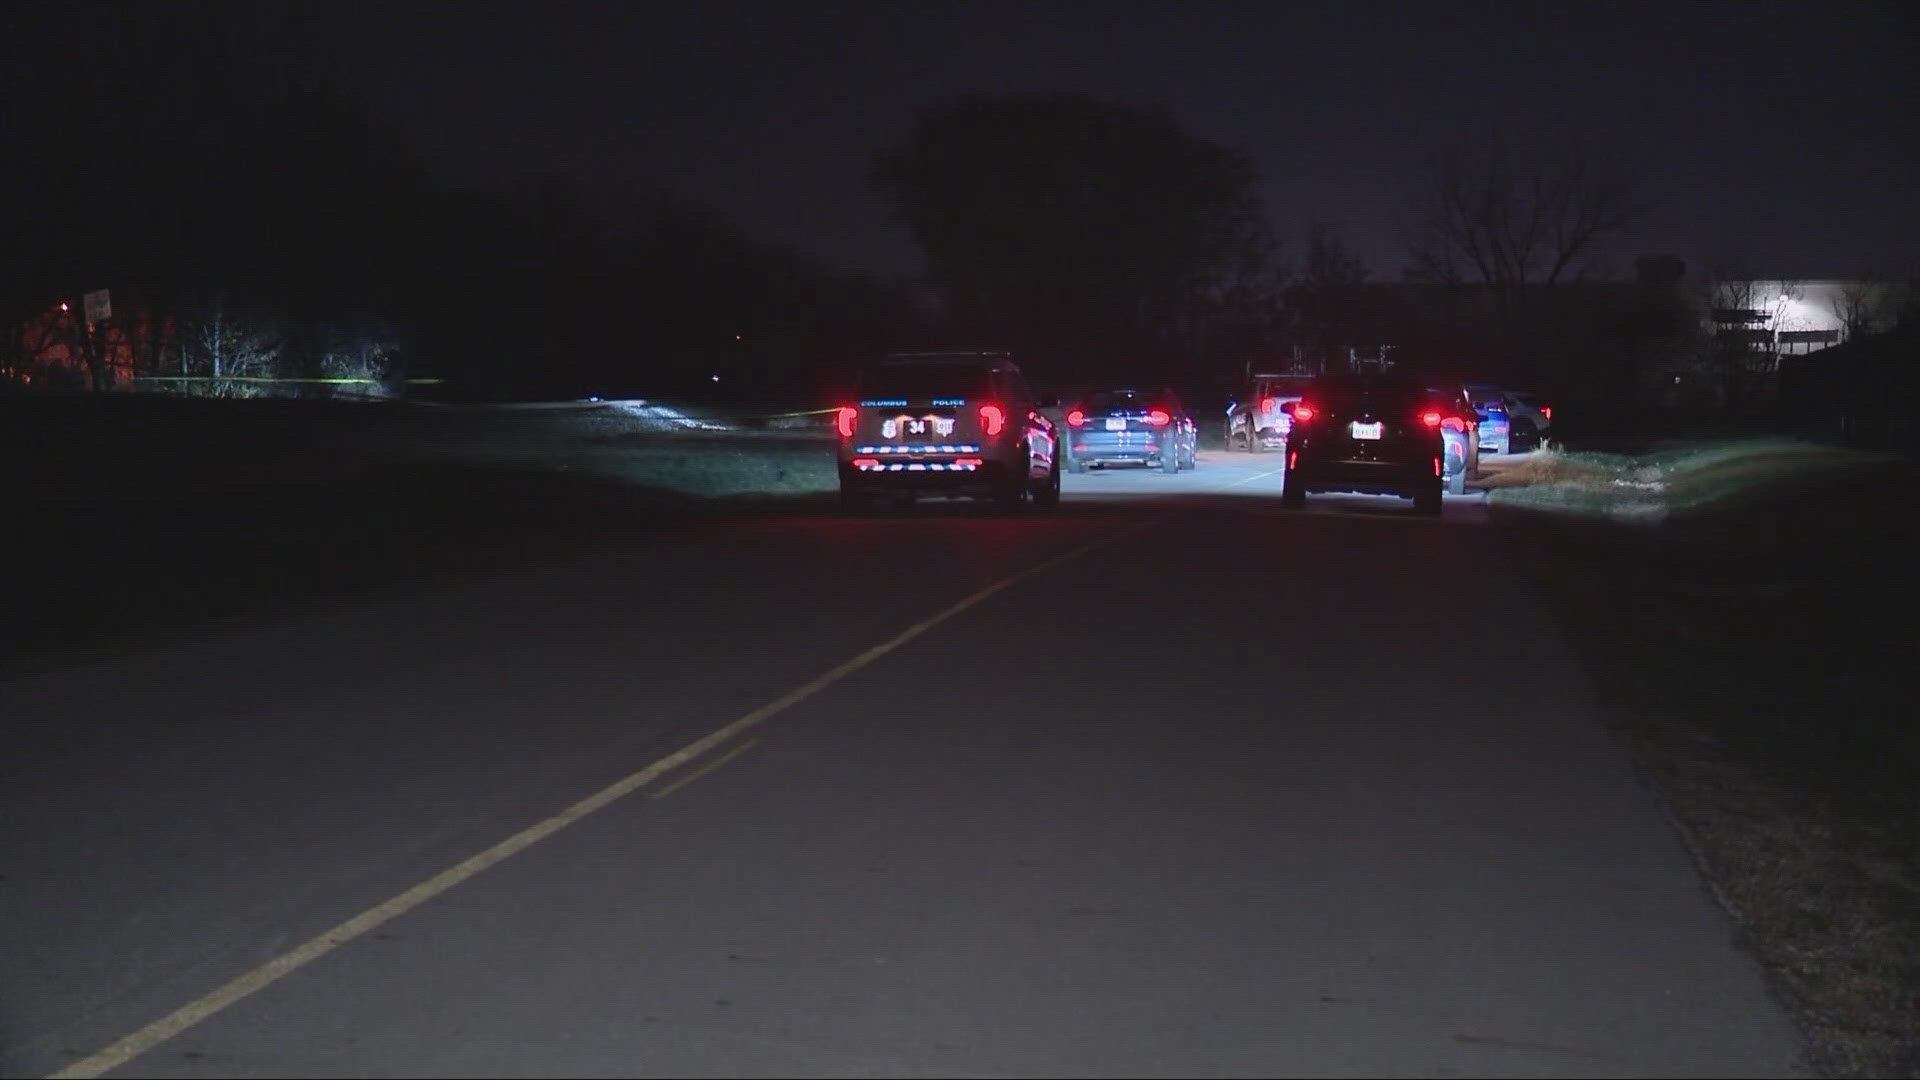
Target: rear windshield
921,384
1346,391
1112,400
1288,387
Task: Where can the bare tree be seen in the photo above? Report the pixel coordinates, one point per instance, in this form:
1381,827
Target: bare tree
33,343
1326,305
370,357
229,350
1748,314
1518,228
1867,305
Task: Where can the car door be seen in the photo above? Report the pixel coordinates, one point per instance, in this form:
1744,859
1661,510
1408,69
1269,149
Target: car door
1042,443
1186,435
1240,416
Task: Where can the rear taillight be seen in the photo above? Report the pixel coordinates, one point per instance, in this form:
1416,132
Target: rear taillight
866,463
1159,418
1436,466
969,462
1266,404
1076,418
1430,418
1546,412
1293,459
843,420
993,420
1302,413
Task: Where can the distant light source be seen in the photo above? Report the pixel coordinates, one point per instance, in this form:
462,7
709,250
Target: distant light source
716,376
63,306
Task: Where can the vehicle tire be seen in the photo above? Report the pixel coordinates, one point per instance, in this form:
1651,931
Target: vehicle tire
1170,459
1014,497
1292,496
1048,495
1427,500
1457,483
1253,441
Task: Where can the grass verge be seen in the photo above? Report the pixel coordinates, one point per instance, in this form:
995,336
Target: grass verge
134,520
1756,653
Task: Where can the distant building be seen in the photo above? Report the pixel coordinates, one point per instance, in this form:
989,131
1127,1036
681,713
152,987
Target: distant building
1768,319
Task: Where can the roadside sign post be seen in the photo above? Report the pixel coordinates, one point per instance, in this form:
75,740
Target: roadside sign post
97,306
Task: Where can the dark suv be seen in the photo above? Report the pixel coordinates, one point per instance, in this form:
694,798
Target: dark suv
1377,434
952,424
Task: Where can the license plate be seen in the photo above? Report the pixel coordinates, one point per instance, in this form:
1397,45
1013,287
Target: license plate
1366,431
1116,423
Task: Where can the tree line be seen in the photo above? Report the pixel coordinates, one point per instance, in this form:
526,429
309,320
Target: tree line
262,223
252,223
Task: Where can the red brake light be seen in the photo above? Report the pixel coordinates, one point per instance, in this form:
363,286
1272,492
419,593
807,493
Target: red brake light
1430,418
1076,418
1266,404
843,420
993,420
866,463
1302,412
1436,467
1546,411
1159,417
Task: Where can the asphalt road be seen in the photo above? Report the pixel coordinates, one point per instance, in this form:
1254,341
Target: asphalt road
1168,782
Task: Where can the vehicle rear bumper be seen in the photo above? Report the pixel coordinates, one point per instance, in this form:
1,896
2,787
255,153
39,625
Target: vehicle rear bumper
1117,456
1092,449
1365,477
926,477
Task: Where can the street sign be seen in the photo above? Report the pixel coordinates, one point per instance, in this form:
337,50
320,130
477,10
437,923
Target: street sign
99,306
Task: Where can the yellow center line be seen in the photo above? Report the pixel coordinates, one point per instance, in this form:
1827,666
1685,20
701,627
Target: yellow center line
252,982
702,770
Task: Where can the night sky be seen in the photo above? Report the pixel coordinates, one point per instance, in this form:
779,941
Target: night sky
1779,132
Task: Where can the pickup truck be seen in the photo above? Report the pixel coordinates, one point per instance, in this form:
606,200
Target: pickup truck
1257,418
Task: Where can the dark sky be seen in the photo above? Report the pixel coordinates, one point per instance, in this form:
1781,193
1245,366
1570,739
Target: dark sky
1782,132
